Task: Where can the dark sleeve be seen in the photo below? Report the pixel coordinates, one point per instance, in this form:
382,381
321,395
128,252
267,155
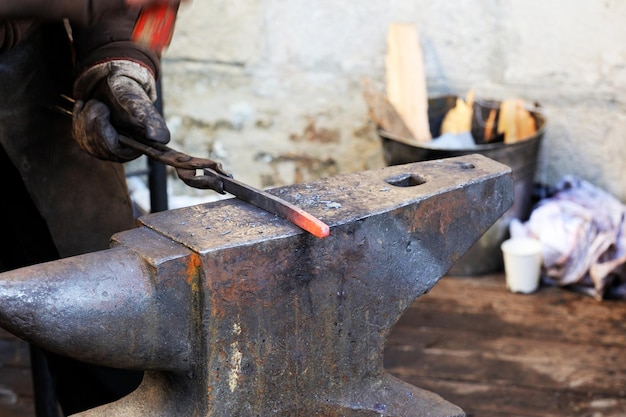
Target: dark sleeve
81,11
110,38
13,32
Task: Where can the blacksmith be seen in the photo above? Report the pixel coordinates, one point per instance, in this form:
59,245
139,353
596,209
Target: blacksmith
59,200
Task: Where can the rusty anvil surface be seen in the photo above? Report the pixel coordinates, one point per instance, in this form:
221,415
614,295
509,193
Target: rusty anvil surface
235,312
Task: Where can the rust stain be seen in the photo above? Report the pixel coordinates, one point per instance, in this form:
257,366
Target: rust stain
195,262
438,215
313,133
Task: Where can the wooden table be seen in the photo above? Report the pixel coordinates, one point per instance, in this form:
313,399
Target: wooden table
552,353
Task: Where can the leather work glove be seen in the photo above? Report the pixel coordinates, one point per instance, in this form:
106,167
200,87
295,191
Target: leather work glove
114,98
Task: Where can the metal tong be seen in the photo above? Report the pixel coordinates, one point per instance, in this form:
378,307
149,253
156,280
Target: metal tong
187,166
204,173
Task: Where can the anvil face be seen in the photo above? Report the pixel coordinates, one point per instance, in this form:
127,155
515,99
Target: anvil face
235,312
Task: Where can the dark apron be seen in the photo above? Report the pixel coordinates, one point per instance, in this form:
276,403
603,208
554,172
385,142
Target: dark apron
83,200
59,201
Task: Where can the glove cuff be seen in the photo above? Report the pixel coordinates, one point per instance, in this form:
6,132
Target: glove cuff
90,78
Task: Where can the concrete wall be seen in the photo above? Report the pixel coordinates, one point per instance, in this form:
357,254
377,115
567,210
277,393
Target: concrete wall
272,87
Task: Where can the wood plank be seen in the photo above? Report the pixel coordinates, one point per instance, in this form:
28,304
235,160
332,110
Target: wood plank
16,392
489,293
515,122
14,352
382,112
406,79
459,118
494,353
515,320
454,355
18,380
490,400
22,407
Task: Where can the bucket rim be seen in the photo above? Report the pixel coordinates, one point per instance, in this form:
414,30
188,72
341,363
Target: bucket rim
539,115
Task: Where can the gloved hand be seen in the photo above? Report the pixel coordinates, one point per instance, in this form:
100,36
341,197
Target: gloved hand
113,98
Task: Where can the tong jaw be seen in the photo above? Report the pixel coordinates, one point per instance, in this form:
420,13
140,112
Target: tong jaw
202,178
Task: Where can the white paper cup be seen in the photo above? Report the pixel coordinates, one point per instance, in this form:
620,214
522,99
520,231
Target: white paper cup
522,264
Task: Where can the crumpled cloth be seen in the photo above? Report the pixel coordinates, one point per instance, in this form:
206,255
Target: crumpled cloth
582,230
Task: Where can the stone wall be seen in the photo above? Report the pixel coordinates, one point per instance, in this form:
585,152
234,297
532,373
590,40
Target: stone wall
272,87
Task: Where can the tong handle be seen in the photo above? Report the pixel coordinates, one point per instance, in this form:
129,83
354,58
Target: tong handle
169,156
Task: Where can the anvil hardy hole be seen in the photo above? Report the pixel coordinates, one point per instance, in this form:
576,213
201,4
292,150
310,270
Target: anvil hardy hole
405,180
466,165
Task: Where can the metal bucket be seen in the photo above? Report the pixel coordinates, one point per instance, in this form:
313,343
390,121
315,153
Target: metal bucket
485,256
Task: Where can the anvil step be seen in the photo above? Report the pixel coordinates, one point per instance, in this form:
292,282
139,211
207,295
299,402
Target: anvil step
235,312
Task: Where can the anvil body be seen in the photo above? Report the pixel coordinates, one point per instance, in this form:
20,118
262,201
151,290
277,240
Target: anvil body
235,312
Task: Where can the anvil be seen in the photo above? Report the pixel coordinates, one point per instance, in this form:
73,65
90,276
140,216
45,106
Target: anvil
232,311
